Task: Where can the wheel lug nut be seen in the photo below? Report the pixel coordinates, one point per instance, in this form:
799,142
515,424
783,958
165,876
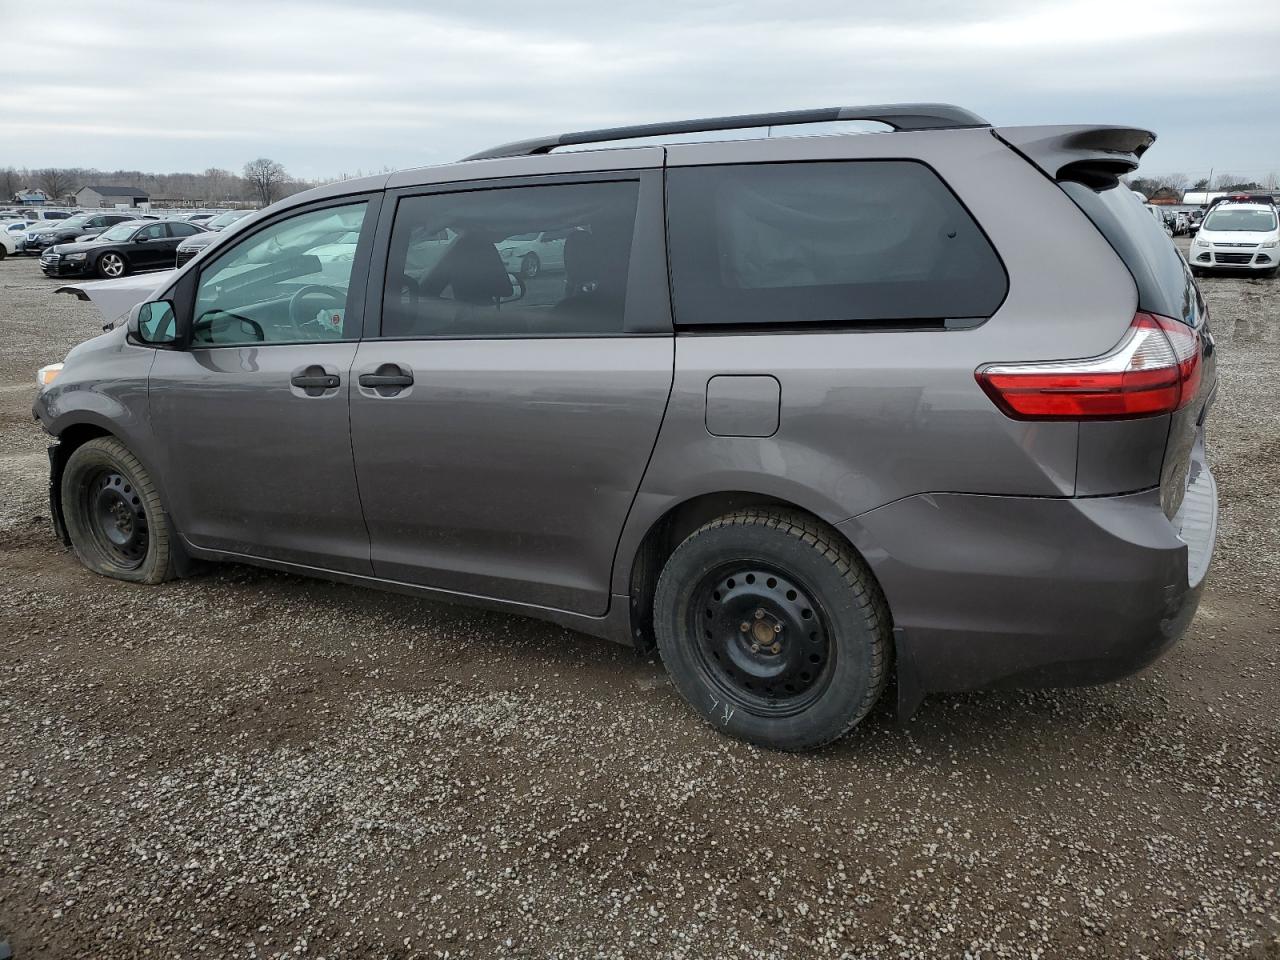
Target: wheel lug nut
777,628
744,626
776,648
755,648
759,613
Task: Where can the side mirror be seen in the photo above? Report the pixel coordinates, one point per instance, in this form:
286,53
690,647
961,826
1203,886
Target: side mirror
153,324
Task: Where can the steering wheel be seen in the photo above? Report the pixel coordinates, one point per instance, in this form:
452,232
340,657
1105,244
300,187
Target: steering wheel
305,325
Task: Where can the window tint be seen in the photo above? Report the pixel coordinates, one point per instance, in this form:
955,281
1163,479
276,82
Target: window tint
1164,284
182,230
511,262
153,232
837,243
287,283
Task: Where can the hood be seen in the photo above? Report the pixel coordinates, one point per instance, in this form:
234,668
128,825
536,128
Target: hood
77,247
114,298
199,241
1251,237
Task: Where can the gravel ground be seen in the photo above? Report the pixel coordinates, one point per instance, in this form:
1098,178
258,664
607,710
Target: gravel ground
248,764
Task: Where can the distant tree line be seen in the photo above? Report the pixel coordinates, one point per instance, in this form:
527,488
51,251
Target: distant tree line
262,181
1172,186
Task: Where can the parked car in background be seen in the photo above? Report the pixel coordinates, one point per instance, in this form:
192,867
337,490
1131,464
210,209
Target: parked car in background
42,215
201,218
1158,215
1238,235
529,254
81,226
1194,220
193,245
8,244
806,410
124,248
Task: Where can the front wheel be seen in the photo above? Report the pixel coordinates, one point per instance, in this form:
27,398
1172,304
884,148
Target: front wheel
773,629
530,265
112,265
113,514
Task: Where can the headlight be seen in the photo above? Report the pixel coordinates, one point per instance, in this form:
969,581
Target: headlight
508,252
46,375
1201,241
75,256
1270,243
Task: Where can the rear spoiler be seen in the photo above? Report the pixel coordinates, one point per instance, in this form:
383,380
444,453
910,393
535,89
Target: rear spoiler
1095,156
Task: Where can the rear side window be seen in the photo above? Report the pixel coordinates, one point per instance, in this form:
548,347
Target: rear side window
511,262
854,242
1164,285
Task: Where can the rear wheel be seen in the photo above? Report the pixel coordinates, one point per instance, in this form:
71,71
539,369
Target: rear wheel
112,265
530,265
773,629
113,514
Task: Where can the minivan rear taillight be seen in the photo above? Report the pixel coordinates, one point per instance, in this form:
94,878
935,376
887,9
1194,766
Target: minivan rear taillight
1155,369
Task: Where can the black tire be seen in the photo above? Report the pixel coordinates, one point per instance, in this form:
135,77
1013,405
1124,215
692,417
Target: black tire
739,577
4,251
111,266
113,514
530,265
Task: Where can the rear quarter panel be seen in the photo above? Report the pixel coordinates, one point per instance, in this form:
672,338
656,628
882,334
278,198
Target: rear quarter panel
872,416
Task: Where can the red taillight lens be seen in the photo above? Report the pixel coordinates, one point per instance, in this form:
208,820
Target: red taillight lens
1155,369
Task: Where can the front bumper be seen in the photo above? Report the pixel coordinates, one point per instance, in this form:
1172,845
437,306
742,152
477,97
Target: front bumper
1239,258
994,591
62,268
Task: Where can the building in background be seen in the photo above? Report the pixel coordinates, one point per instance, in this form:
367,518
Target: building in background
93,197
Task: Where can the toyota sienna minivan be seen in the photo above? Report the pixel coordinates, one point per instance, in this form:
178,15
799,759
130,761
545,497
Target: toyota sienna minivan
803,412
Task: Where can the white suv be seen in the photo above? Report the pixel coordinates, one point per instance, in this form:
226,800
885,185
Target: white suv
1238,236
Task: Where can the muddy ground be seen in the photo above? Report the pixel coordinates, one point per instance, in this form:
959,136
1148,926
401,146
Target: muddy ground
249,764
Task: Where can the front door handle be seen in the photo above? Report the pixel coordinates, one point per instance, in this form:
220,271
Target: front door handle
311,382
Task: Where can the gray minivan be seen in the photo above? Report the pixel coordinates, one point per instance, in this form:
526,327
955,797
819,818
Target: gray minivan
803,411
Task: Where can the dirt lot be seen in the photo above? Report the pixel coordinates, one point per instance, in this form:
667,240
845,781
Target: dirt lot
248,764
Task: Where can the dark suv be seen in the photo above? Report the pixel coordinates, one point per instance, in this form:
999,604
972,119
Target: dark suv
801,411
68,231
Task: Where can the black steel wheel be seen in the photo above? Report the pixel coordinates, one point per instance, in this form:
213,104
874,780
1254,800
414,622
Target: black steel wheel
118,520
761,637
530,265
113,513
773,628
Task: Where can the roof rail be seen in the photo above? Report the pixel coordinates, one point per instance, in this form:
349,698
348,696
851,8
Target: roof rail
900,116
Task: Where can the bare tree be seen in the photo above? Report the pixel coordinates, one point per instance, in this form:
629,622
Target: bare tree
55,183
216,182
9,184
1177,182
266,178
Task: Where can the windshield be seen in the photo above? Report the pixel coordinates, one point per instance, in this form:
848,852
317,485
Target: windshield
121,231
225,219
1238,220
69,222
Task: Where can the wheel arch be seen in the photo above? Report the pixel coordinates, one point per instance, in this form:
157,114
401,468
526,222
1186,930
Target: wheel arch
71,437
669,529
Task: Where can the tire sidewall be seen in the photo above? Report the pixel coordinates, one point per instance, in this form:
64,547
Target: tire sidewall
81,466
850,684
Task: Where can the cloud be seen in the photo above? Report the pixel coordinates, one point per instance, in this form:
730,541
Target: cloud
328,87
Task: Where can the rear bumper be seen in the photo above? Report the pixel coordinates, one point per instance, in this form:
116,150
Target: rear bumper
990,591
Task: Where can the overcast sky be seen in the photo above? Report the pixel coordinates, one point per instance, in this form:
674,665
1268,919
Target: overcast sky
334,87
